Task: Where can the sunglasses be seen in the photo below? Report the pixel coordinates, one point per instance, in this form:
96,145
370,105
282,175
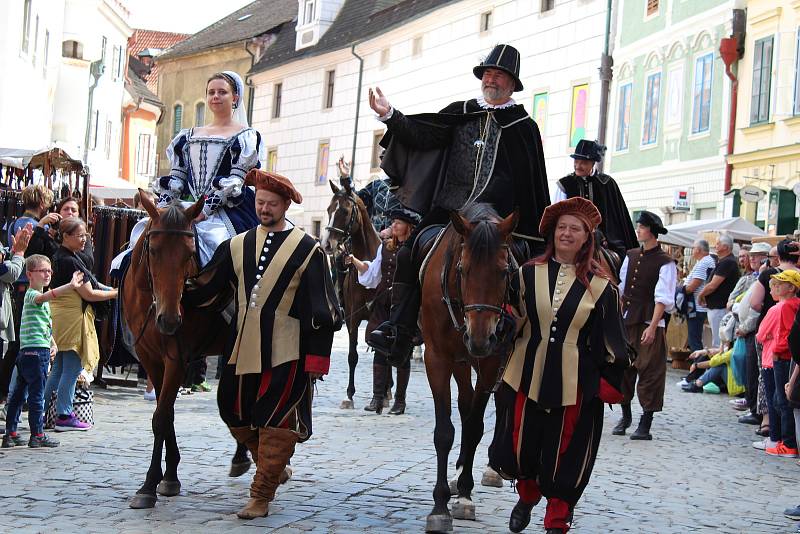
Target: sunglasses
47,271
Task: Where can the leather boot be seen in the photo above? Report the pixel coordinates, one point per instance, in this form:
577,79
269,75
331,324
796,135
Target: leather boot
624,422
275,448
395,336
379,373
399,406
247,437
520,516
643,430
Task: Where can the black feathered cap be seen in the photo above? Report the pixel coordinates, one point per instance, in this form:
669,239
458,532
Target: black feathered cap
502,57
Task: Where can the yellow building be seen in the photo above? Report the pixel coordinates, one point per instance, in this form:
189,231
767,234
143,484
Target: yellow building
767,142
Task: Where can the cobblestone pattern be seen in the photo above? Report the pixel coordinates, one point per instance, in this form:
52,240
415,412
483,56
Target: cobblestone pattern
362,472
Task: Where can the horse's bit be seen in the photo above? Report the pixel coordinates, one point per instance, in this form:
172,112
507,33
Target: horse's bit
346,233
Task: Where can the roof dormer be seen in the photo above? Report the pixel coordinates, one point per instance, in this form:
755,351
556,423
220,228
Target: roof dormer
314,17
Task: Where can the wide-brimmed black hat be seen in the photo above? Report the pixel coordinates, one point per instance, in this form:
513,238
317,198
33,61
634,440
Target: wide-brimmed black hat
502,57
589,150
652,221
405,214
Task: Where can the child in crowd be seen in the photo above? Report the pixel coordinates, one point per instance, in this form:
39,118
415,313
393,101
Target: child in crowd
36,349
773,335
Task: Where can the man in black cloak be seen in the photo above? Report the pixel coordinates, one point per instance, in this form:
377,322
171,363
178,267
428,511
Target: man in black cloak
486,149
604,192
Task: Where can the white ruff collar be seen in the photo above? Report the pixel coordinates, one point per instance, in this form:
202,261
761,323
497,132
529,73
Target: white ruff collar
485,105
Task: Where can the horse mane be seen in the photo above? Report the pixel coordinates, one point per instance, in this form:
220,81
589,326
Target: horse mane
173,218
369,235
484,240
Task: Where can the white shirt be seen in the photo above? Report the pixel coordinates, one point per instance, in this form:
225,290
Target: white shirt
559,194
665,287
372,276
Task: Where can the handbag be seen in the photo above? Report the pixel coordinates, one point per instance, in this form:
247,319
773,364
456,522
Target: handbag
82,405
738,357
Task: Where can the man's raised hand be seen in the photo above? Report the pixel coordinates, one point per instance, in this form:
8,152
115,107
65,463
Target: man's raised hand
378,102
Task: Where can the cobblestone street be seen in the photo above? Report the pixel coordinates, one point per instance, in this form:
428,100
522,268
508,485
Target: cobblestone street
362,472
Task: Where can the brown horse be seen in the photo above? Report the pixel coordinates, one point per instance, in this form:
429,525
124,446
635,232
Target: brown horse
165,335
350,231
466,285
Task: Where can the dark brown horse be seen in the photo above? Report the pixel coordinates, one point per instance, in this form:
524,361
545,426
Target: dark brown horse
350,231
466,285
165,335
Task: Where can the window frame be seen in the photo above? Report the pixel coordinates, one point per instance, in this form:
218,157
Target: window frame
143,153
375,159
308,15
26,27
272,159
109,132
485,21
200,104
417,46
546,6
651,8
625,95
46,51
697,114
329,89
277,100
796,103
35,42
760,97
177,119
651,124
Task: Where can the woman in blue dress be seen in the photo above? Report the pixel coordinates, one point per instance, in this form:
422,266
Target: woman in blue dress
211,162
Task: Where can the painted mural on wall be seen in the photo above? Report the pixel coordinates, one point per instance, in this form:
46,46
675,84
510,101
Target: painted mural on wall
578,120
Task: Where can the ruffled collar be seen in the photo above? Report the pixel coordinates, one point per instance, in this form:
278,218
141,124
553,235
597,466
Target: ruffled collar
485,105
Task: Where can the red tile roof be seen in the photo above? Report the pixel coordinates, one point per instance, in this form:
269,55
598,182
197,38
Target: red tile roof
144,39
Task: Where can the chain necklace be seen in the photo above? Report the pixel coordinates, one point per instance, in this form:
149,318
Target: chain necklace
480,143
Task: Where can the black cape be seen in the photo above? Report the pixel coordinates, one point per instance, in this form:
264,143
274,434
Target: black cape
419,148
605,194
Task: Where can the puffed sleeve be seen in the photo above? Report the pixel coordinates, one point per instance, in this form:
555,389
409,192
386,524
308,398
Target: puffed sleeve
174,186
246,154
317,308
372,276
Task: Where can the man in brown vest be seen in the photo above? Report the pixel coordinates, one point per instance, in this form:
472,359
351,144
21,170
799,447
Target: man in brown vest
649,277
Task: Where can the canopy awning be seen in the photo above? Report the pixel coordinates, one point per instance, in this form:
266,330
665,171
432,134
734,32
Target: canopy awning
684,234
111,187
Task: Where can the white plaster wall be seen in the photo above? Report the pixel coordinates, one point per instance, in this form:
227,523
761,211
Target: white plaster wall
559,49
28,92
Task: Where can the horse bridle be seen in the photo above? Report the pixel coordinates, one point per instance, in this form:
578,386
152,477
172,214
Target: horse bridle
453,303
346,233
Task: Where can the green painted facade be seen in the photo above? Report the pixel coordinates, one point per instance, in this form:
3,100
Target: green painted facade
635,25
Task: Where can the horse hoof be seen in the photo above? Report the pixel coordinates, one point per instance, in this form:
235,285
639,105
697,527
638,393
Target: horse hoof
347,404
464,508
491,478
454,481
439,523
169,488
141,501
239,468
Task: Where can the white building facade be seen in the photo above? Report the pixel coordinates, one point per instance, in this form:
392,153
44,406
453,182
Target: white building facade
305,107
88,104
30,50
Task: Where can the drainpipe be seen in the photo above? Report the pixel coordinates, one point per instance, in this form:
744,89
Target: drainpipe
358,108
249,84
96,70
728,49
606,74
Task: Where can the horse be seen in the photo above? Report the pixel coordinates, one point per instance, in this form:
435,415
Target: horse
466,285
166,337
350,231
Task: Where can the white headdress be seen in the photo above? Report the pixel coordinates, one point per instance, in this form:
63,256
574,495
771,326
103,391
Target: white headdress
239,111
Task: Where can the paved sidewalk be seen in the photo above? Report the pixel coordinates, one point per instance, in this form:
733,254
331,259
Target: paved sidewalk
361,472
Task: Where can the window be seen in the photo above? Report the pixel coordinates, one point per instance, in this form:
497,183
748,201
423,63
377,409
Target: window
652,7
200,114
384,58
547,5
277,97
486,21
330,76
109,127
115,62
762,80
272,160
652,94
416,46
103,45
377,150
316,227
624,116
143,154
322,162
703,70
308,11
96,123
35,41
26,25
797,75
177,119
72,49
46,51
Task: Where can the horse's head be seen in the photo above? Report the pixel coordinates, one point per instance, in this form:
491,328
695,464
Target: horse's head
169,251
342,219
483,273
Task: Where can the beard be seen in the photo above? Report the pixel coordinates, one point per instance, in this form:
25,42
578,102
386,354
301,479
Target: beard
494,93
269,219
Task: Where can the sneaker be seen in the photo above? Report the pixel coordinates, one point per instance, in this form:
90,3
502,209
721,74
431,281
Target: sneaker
712,388
150,395
781,450
739,404
71,423
682,383
793,513
764,444
10,441
42,442
203,387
